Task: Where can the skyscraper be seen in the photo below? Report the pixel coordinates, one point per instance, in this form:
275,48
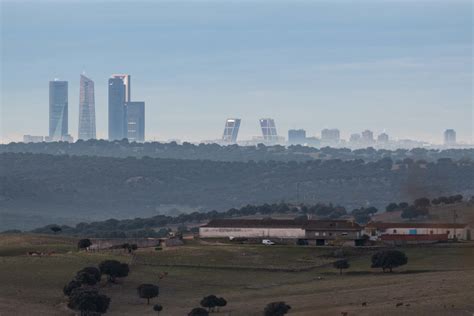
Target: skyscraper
135,112
58,110
231,130
127,81
269,131
296,136
86,109
119,93
450,137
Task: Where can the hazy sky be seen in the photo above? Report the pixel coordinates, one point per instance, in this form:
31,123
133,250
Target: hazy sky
400,66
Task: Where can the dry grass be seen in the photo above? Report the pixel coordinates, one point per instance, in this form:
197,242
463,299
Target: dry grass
435,279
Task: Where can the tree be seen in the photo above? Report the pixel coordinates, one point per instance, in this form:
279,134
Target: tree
148,291
113,269
209,302
402,205
157,308
198,311
389,259
422,203
68,288
221,302
92,271
84,243
86,278
413,212
88,301
276,309
56,229
341,264
392,207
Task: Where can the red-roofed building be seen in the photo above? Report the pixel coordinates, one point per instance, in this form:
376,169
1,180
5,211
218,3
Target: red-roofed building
417,231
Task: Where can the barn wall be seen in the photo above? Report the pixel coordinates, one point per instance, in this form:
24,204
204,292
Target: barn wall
223,232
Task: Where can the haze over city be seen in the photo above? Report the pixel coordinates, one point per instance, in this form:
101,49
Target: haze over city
405,69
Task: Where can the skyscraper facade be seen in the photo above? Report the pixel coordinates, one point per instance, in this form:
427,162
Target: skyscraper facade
269,131
450,137
58,110
231,130
296,136
86,109
135,118
117,109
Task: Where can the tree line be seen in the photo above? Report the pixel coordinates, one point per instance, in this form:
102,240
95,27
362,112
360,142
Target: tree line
85,186
124,148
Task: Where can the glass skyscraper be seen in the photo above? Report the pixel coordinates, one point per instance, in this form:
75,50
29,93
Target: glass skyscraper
231,130
269,131
58,110
119,93
86,109
135,117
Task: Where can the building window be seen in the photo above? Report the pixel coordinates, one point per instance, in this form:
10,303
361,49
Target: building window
344,234
394,231
324,233
316,234
330,234
431,232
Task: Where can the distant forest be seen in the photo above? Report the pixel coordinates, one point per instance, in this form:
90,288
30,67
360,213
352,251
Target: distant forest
123,149
61,186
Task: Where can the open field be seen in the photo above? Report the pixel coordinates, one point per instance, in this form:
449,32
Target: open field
438,280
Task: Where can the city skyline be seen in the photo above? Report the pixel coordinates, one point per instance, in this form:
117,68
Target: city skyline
351,77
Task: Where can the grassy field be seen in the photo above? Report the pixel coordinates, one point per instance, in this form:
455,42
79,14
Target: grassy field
438,280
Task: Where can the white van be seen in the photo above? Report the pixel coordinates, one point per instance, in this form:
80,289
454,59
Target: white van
267,242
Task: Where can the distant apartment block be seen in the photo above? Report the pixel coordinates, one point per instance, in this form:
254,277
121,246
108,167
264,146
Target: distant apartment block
367,137
296,136
269,131
383,138
231,130
450,137
33,139
355,138
330,136
58,109
87,128
135,114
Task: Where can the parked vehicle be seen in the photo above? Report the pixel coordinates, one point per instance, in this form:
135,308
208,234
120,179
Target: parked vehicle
267,242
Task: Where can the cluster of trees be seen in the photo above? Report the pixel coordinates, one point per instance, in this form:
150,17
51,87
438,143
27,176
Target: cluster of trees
145,226
276,309
425,202
123,148
83,292
363,215
208,305
80,186
420,206
384,259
